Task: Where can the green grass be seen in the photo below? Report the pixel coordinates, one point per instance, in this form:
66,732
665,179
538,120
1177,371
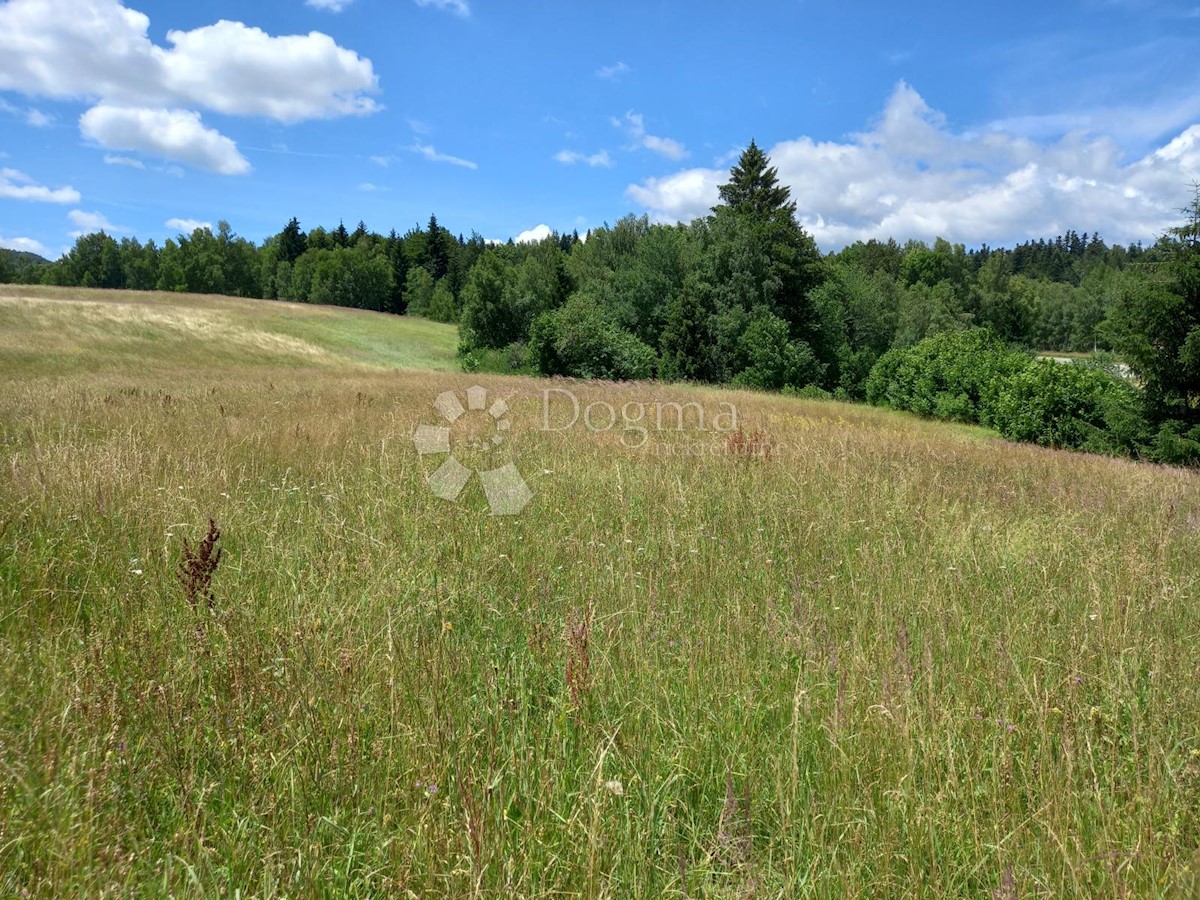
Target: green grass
890,658
53,331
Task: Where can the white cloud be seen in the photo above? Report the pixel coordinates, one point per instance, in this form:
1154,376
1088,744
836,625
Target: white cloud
25,245
334,6
458,7
431,154
368,188
111,159
533,235
33,117
418,126
186,226
635,125
100,51
174,133
241,71
912,176
568,157
614,71
90,223
16,185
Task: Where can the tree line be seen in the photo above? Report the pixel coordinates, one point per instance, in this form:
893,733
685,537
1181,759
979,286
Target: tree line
740,296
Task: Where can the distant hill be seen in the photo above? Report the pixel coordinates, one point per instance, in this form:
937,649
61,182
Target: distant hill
22,259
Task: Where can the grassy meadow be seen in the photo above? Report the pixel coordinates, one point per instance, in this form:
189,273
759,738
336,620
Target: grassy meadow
842,652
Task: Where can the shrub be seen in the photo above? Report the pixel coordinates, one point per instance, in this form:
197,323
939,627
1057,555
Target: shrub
1069,406
953,375
582,340
768,360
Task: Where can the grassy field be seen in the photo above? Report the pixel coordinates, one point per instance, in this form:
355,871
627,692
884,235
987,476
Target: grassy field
839,652
76,332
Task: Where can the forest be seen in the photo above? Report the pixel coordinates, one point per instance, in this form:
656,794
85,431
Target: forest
743,296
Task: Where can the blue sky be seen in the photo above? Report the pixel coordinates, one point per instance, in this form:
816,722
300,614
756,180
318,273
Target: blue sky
975,122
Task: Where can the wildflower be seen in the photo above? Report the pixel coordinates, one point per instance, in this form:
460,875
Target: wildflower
447,627
614,787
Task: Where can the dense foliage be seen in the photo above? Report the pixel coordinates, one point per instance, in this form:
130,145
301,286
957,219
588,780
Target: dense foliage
742,296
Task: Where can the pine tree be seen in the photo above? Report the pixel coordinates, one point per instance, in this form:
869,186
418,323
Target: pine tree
292,241
439,253
762,256
754,187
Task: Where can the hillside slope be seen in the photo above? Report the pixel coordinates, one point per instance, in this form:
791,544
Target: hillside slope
56,331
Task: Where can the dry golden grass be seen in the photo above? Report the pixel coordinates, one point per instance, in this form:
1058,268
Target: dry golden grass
892,659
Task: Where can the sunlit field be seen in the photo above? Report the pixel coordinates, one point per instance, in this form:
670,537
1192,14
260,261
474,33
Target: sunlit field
831,652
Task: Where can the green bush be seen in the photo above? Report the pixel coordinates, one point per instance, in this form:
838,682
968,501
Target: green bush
954,375
1069,406
768,360
582,340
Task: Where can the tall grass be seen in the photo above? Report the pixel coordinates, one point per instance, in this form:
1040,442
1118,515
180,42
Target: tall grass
887,658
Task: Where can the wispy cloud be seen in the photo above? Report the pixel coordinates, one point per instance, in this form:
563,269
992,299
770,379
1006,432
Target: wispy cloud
368,188
32,116
457,7
418,126
111,159
616,70
430,153
635,126
334,6
570,157
16,185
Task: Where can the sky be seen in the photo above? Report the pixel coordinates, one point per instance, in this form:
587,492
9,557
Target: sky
975,122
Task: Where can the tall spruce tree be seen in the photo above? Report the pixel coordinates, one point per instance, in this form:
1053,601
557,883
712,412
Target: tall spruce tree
754,189
760,255
292,241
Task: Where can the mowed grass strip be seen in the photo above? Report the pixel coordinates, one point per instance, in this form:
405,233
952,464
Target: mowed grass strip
48,331
872,656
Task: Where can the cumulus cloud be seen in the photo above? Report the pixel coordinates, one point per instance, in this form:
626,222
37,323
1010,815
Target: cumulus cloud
24,245
174,133
569,157
635,126
912,176
90,223
457,7
16,185
430,153
187,226
616,70
533,235
100,51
